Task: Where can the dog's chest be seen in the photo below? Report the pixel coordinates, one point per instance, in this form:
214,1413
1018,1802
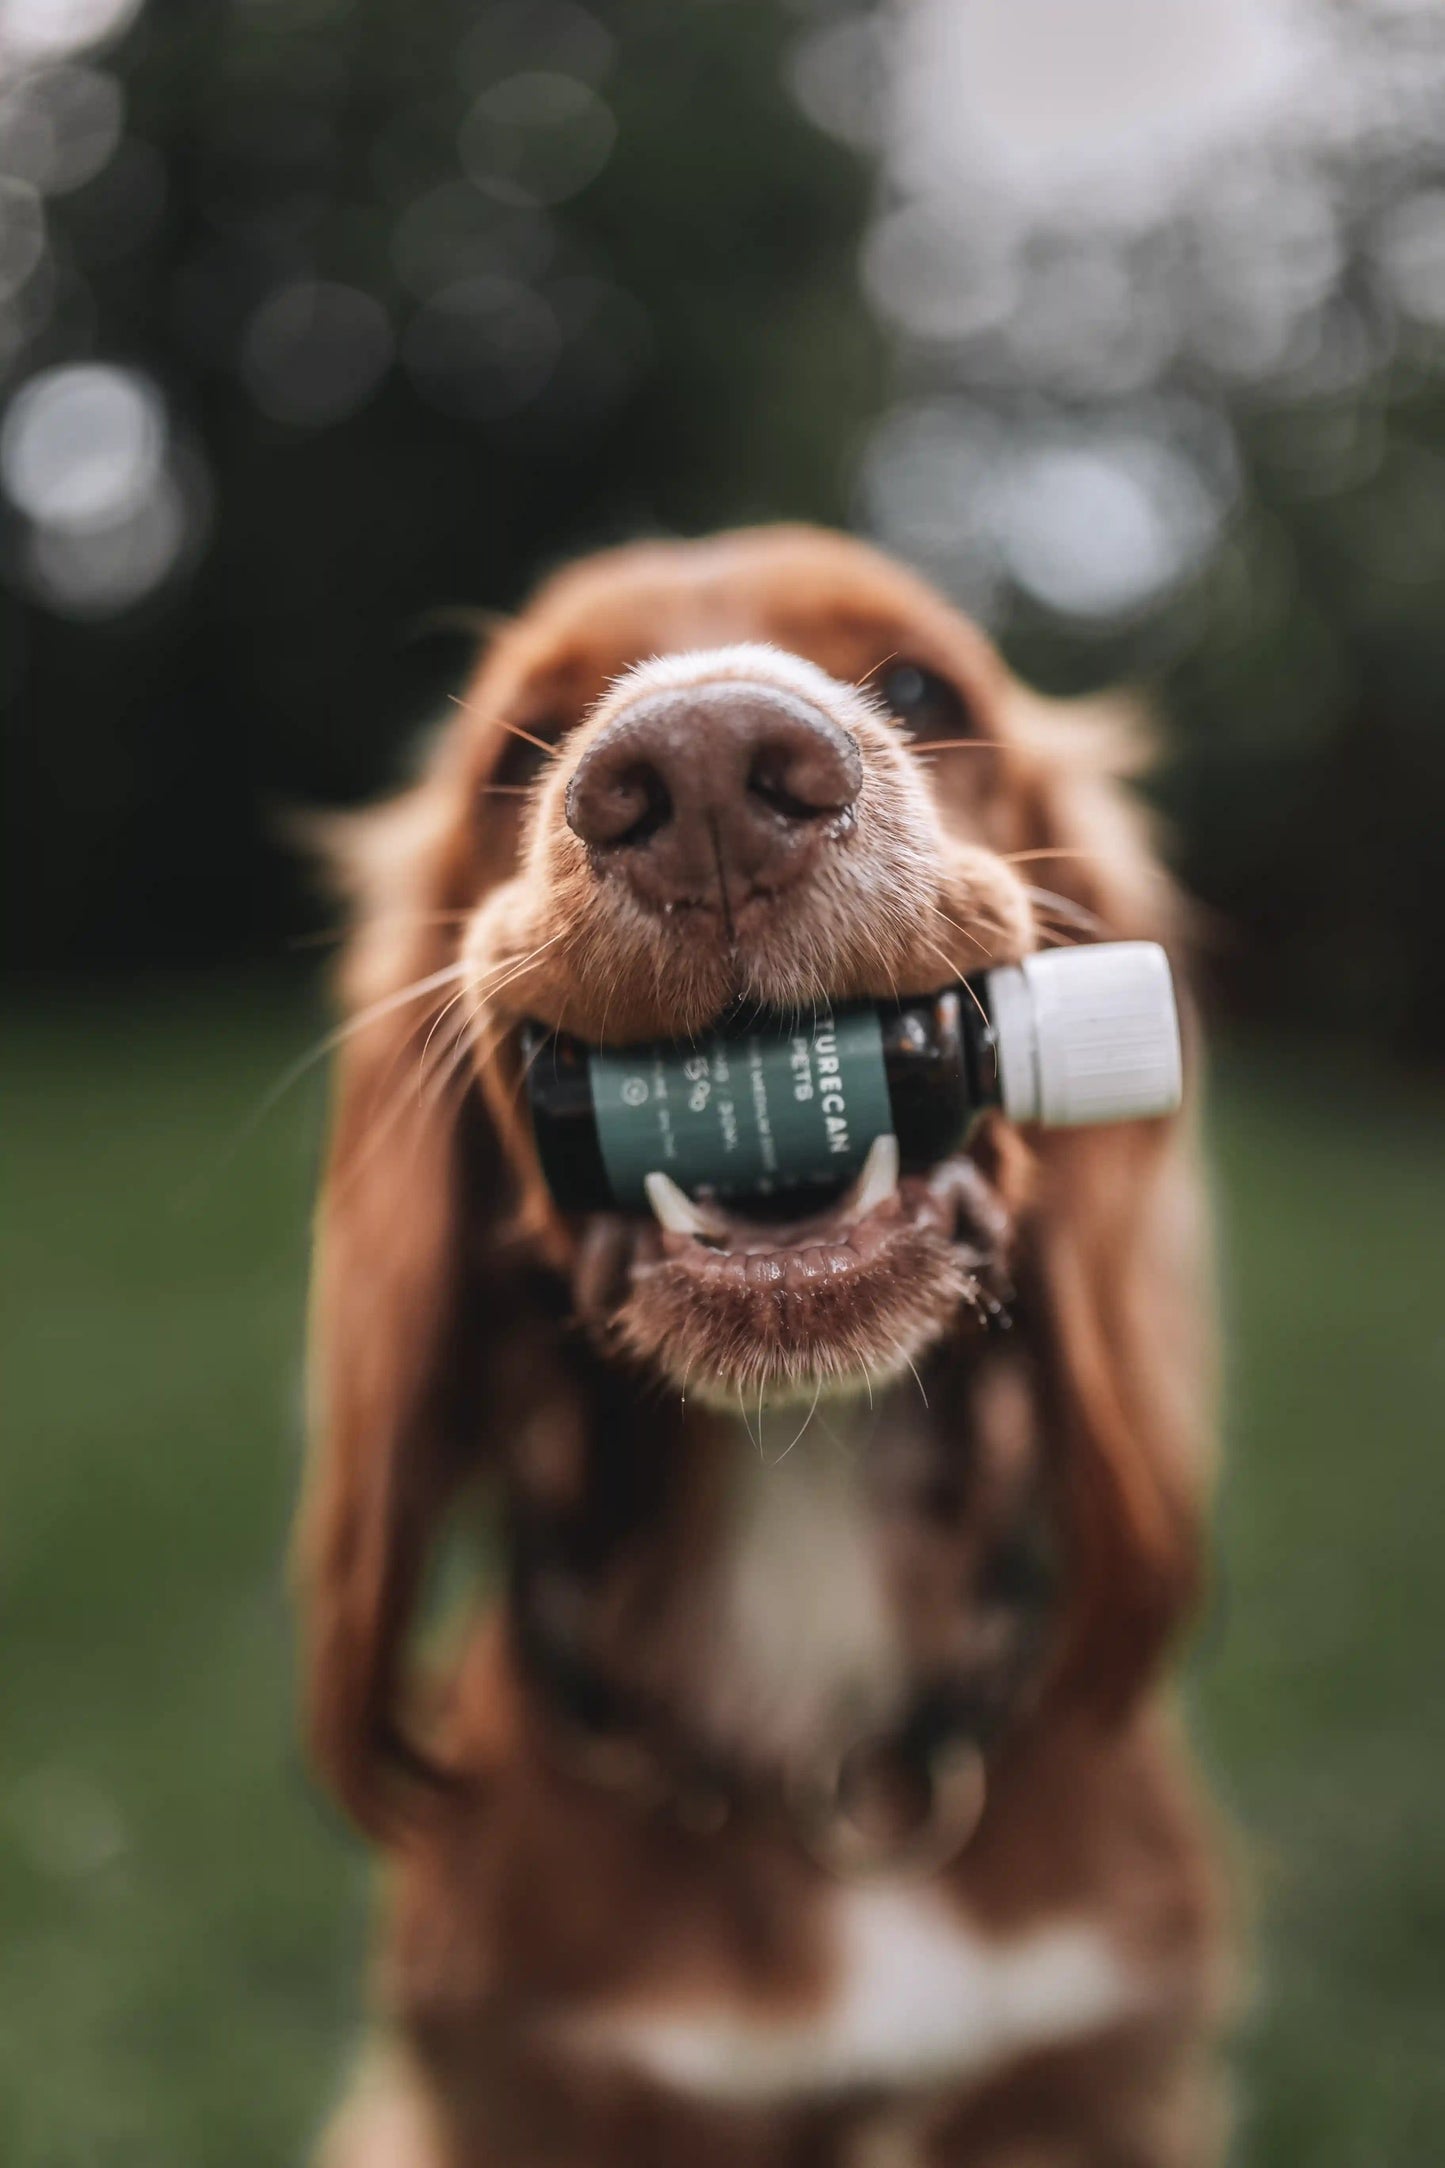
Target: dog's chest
803,1649
915,1996
800,1650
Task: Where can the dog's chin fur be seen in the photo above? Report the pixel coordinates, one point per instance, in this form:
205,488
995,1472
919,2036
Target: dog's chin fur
837,1336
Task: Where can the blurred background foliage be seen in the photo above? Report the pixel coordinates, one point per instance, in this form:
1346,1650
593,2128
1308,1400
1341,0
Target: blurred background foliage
389,307
319,318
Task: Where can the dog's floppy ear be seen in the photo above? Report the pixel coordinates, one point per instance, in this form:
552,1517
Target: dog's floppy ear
1122,1309
404,1305
1126,1367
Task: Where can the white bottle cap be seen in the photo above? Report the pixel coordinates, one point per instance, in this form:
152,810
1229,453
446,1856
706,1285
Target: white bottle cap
1087,1035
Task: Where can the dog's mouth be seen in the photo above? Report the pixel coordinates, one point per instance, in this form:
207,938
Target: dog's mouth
724,1301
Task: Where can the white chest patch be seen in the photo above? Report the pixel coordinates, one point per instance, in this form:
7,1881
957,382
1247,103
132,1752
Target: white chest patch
919,1998
803,1650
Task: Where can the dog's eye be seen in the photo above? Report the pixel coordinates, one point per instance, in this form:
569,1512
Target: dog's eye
925,703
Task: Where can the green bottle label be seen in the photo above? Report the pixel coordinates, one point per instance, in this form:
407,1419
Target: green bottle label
746,1114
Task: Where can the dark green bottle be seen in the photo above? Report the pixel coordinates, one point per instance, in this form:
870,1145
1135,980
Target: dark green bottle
787,1109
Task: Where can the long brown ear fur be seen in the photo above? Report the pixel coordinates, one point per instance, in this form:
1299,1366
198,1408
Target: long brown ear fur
1116,1267
1125,1366
402,1285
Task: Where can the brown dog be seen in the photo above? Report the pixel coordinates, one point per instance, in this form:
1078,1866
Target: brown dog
807,1796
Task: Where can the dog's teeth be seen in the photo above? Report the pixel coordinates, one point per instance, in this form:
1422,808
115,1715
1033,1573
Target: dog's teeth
879,1178
674,1211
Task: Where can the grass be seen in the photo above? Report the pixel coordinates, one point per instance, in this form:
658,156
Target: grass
1318,1686
181,1923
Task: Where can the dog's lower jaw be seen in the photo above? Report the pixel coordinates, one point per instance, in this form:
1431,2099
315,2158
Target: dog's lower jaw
746,1343
832,1311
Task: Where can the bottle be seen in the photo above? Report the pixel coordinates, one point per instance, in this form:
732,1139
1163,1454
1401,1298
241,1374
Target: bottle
785,1109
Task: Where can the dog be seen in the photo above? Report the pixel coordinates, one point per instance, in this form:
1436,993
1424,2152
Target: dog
805,1789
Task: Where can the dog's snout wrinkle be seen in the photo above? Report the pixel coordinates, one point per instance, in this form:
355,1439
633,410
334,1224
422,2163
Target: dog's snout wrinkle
698,788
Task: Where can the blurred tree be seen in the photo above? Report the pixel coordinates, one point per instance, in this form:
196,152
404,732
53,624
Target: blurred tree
1306,784
320,315
424,298
1165,291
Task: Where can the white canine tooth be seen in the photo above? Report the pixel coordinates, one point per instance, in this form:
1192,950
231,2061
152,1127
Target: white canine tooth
672,1209
879,1178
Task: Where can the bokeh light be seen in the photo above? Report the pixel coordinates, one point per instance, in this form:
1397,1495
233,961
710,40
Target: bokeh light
82,446
59,127
98,570
314,352
86,455
1100,527
1092,522
1085,209
34,31
536,138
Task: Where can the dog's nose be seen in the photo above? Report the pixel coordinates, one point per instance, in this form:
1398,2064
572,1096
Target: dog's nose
708,793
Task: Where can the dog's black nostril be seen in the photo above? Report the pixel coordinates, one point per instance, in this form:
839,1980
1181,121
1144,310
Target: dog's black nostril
806,774
768,779
644,787
714,793
614,805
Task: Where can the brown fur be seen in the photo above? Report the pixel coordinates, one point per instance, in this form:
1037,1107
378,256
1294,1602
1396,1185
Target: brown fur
447,1345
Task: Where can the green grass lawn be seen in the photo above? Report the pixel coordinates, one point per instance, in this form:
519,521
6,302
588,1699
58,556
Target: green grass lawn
181,1922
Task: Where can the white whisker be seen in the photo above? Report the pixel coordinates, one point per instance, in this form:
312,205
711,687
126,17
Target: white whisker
817,1391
